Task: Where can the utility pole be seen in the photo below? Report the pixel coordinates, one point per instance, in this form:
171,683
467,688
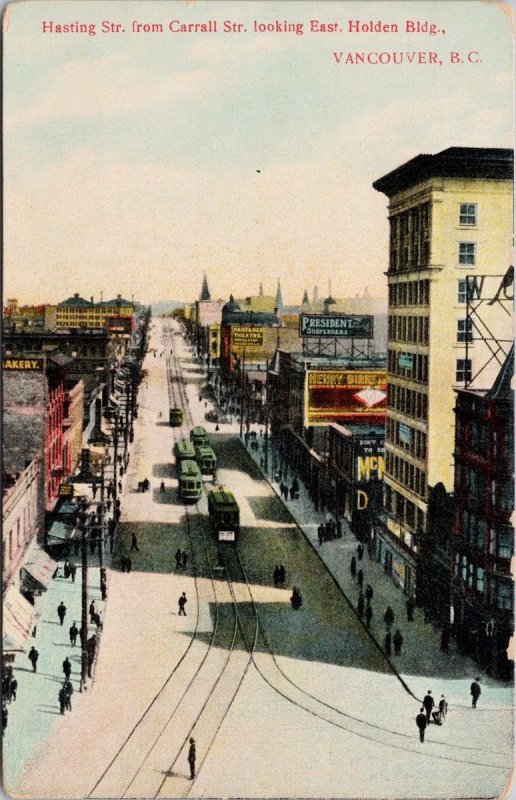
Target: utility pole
242,372
115,461
84,601
266,437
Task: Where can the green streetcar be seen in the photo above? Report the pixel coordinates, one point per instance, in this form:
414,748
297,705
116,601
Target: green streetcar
224,514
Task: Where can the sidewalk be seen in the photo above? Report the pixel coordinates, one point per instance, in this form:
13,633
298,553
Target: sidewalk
35,713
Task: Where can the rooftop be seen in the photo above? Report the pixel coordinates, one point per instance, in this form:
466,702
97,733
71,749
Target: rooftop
493,163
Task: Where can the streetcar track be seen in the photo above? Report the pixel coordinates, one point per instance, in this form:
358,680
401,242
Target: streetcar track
341,726
170,676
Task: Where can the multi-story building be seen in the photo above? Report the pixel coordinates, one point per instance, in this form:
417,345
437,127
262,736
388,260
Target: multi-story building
22,517
482,544
76,312
18,317
451,218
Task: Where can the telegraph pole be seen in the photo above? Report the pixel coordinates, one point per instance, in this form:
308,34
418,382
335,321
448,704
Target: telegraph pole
84,602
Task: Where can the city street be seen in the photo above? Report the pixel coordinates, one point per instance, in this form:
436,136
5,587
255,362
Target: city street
280,702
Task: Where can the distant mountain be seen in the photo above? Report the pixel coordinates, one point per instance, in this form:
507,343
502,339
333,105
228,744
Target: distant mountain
165,306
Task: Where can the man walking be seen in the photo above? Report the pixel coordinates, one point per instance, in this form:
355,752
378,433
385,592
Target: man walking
134,543
184,558
191,758
428,702
33,658
67,668
182,602
61,612
62,700
179,558
397,641
162,487
421,724
73,570
476,691
74,632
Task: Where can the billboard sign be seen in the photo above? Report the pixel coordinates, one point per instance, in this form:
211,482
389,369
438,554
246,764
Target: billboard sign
349,326
345,396
23,364
248,336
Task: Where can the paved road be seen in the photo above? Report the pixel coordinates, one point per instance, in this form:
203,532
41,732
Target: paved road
316,712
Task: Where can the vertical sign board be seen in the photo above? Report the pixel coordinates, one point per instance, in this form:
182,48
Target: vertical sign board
345,396
368,469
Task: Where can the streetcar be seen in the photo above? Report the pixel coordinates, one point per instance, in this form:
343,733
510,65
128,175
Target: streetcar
224,514
184,449
190,481
206,459
175,417
199,436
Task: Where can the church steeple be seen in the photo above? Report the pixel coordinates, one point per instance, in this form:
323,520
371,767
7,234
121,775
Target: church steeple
205,292
279,296
261,290
304,301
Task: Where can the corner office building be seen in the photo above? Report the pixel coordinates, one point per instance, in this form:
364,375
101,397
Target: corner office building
451,217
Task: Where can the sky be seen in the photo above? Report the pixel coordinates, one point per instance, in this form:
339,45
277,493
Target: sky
135,162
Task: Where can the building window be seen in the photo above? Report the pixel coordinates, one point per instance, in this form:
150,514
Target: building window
468,214
505,595
464,330
462,292
463,370
467,254
505,543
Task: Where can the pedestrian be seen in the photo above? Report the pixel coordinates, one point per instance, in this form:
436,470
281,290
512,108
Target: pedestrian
92,610
360,604
360,551
33,658
276,575
134,543
184,559
74,632
443,708
120,483
388,617
179,558
182,602
353,567
62,700
369,615
296,599
320,534
66,569
128,564
13,688
428,703
68,691
410,605
281,574
61,612
162,487
123,563
397,641
360,578
97,620
368,594
73,571
191,758
475,692
421,723
387,644
67,667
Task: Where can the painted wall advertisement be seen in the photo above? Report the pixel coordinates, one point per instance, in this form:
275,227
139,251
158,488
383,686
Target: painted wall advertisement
350,396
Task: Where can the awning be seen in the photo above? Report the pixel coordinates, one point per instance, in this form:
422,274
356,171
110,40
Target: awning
37,567
18,620
62,532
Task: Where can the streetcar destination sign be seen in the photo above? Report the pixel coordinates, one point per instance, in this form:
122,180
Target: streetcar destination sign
351,326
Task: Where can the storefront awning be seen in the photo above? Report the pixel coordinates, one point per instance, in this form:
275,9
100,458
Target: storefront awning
37,568
62,532
18,620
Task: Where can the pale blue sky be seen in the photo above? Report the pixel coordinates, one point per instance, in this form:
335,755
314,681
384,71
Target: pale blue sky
130,160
